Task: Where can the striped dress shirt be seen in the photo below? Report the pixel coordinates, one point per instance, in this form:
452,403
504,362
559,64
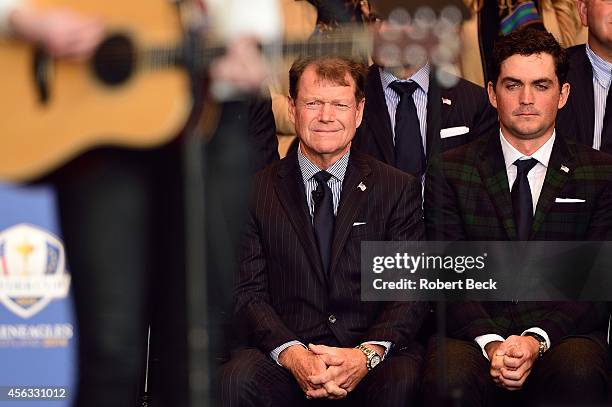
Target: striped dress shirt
421,77
337,170
602,75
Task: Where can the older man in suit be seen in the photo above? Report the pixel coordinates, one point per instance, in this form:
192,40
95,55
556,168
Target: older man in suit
506,188
298,293
588,114
415,109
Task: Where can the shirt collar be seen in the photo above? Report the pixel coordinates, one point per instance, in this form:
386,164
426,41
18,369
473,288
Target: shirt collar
421,77
308,169
602,69
511,154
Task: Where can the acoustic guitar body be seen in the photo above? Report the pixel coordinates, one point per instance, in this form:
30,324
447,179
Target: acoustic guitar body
52,110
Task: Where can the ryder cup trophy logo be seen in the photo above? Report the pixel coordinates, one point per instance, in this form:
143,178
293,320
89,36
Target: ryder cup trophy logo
32,269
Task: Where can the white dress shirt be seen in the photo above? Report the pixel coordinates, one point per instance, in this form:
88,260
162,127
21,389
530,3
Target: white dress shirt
536,180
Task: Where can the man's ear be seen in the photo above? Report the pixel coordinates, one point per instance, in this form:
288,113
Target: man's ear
565,91
492,95
582,12
291,109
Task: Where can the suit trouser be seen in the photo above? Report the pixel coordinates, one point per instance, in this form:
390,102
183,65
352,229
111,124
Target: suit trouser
251,378
572,372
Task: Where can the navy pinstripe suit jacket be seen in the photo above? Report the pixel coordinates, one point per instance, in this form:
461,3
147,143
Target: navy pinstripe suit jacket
283,293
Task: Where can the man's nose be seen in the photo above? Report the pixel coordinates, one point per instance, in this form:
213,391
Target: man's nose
327,112
526,96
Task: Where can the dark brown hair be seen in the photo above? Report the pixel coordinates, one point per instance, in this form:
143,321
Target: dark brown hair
528,41
329,68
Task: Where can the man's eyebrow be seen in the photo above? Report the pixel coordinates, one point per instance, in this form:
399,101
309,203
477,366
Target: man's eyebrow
536,81
542,81
510,79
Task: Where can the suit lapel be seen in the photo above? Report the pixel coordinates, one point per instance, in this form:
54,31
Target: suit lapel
582,95
377,115
351,201
494,176
555,180
289,187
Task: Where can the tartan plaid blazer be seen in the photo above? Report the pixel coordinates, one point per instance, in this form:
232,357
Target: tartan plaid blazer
468,198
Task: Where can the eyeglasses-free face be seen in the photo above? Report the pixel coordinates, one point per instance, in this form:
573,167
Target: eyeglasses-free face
326,116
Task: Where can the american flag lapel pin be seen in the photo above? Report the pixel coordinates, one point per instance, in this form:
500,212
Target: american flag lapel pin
446,101
361,186
564,169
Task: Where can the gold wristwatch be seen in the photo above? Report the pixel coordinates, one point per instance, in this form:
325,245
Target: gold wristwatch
372,358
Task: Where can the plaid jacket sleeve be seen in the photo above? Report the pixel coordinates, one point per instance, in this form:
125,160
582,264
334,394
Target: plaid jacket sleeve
466,319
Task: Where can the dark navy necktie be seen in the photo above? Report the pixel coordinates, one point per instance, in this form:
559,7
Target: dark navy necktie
409,155
323,217
522,202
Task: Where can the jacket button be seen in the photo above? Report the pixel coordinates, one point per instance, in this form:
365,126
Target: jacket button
332,319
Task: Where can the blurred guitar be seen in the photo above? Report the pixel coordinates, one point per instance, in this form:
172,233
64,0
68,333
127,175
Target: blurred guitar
54,109
134,92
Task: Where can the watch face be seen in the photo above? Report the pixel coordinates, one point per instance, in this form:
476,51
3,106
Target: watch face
374,361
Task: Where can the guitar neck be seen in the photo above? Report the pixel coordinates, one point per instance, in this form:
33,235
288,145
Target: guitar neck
353,44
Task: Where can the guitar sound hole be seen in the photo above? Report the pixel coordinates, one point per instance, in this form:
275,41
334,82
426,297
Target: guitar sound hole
114,60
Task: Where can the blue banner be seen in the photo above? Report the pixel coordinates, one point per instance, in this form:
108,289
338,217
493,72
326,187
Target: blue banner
38,335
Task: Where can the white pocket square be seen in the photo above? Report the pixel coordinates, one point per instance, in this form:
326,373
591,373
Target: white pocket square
569,200
359,223
453,131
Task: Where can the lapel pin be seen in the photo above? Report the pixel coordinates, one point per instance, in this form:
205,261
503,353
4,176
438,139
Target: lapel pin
446,101
564,169
361,186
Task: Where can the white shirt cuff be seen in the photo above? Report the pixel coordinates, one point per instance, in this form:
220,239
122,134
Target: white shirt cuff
275,353
386,344
540,332
483,340
6,6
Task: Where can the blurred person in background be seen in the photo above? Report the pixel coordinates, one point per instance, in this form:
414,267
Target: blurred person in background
490,18
415,105
122,215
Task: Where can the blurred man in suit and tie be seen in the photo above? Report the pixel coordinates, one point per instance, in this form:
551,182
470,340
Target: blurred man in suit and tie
506,188
587,117
415,108
298,293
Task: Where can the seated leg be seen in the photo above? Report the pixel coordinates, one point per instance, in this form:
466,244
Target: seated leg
464,369
251,378
572,372
395,382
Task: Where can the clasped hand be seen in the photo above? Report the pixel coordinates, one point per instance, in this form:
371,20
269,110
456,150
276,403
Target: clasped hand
512,360
324,371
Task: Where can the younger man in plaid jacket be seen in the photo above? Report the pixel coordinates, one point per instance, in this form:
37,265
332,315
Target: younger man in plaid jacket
507,187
